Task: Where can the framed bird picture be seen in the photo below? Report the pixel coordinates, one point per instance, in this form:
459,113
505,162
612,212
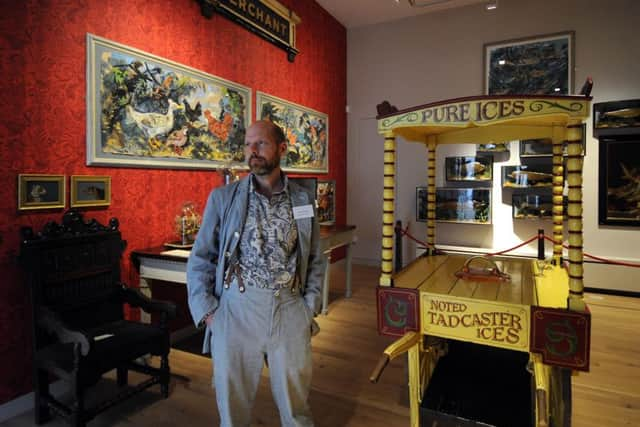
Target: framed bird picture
307,133
146,111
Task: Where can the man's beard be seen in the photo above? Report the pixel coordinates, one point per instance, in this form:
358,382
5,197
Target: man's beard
263,166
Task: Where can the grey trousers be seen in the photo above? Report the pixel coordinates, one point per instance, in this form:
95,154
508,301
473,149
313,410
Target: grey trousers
247,326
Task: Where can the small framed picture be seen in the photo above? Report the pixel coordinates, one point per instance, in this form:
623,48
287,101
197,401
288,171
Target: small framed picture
421,204
492,148
326,201
41,192
469,168
527,176
90,191
464,205
536,148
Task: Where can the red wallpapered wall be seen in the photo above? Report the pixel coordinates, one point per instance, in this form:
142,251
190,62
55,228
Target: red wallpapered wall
43,119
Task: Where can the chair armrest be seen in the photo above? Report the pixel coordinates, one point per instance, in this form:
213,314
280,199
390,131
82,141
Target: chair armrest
50,322
135,298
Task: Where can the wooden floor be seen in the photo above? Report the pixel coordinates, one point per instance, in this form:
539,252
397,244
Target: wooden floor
347,349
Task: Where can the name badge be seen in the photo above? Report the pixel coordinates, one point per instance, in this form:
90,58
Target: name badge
304,211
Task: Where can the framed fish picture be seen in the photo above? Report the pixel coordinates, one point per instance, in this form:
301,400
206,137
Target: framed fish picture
469,168
535,206
307,133
463,205
619,188
491,148
147,111
421,204
527,176
540,65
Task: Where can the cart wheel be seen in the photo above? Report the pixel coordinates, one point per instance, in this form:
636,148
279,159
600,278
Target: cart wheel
560,397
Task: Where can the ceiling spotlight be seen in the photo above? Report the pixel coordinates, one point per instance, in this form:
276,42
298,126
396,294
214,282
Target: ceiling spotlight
491,5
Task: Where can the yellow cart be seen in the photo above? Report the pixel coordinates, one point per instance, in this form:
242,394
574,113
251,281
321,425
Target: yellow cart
490,341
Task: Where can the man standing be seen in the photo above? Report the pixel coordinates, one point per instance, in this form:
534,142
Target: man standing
254,278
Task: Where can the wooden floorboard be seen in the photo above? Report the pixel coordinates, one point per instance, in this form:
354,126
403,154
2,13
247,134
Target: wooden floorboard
348,348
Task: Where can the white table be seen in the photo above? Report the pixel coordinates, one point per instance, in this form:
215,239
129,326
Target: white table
159,263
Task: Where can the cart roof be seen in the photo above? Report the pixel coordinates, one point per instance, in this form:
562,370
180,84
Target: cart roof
484,119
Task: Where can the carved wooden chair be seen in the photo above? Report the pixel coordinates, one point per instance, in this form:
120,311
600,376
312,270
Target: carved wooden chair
79,329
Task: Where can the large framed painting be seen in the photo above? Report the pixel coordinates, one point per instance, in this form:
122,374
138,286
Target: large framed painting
619,193
307,133
541,65
146,111
464,205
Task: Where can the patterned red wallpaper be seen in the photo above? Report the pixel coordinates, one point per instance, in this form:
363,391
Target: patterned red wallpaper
43,120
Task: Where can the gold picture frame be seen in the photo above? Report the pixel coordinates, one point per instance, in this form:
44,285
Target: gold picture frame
37,191
90,190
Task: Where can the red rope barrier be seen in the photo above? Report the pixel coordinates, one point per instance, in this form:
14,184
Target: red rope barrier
597,258
405,232
515,247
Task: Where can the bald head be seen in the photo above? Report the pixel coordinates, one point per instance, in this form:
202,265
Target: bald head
264,144
276,131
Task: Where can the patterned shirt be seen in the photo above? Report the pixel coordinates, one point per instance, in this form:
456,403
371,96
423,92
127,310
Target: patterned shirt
268,245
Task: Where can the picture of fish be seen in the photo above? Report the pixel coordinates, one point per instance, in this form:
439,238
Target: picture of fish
621,190
624,117
492,148
466,205
525,176
469,168
533,66
534,206
536,148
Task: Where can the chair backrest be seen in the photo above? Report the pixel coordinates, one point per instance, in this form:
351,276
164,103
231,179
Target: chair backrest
75,271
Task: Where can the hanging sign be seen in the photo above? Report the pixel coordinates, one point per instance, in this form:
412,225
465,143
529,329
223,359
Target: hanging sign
266,18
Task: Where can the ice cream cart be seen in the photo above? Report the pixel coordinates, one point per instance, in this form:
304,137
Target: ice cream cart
491,341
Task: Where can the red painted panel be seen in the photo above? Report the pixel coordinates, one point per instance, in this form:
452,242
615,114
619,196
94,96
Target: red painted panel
562,337
398,311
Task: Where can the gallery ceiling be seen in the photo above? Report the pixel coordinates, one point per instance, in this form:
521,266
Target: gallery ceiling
358,13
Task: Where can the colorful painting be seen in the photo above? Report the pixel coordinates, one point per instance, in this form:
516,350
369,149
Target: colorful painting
540,65
146,111
469,168
307,132
619,192
465,205
326,200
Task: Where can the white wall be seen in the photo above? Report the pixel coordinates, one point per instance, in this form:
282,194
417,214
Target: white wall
439,56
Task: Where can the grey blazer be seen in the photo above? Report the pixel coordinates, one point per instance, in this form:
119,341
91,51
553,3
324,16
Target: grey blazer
216,247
